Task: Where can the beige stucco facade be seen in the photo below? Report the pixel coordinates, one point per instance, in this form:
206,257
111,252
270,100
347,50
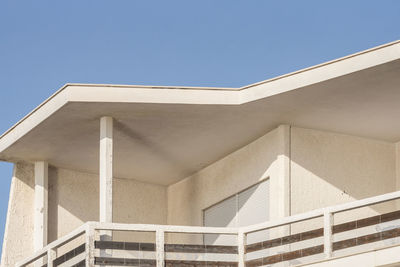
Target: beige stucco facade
18,235
310,168
330,168
73,200
320,136
325,169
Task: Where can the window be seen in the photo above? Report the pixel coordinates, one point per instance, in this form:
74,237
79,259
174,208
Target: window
248,207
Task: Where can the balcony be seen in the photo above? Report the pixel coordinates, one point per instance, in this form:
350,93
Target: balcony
311,238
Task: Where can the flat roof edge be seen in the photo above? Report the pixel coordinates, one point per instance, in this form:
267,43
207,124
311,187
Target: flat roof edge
197,90
322,64
34,110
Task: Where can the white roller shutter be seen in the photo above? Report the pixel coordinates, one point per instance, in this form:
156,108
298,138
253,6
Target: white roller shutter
222,214
248,207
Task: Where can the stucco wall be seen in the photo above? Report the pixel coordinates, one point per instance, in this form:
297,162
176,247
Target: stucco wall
74,199
235,172
329,168
324,169
18,235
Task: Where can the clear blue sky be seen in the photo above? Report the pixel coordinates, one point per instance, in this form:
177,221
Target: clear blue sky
45,44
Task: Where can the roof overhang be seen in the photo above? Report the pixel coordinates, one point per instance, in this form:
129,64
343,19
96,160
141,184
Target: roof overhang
163,134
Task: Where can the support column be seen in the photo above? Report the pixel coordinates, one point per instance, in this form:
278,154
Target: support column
285,159
106,171
41,205
397,148
280,184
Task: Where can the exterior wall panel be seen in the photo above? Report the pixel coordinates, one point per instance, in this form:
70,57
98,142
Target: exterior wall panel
243,168
18,237
330,168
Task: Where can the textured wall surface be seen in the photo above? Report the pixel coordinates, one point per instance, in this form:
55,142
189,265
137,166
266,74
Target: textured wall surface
18,236
235,172
74,199
325,169
329,168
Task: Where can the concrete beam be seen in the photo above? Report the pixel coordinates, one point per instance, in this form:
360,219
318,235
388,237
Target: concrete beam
41,205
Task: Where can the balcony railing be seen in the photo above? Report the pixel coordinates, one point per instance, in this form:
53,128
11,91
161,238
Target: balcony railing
268,243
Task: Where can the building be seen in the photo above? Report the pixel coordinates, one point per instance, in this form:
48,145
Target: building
302,169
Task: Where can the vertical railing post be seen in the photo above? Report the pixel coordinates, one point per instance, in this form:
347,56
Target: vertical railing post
328,223
160,254
89,245
51,256
241,248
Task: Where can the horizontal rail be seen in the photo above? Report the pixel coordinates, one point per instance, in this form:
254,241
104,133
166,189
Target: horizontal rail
165,228
320,212
284,221
365,202
55,244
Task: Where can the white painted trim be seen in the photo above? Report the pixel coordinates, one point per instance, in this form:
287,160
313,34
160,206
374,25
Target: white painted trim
53,245
165,228
89,245
283,221
241,249
41,205
30,121
365,202
160,254
328,223
106,169
51,256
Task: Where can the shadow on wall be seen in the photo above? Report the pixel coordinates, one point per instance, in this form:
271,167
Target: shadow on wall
329,168
73,197
326,169
231,174
156,150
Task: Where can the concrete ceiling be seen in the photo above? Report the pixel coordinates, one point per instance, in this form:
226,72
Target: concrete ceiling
163,135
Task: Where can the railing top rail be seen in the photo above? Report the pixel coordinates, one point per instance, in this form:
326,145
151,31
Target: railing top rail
165,228
53,245
286,220
320,212
364,202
